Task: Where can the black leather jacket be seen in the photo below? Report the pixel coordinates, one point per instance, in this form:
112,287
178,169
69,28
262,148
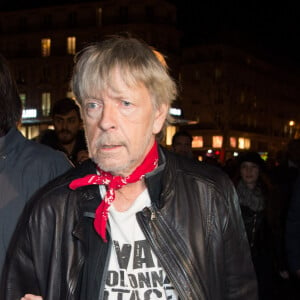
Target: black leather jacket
194,226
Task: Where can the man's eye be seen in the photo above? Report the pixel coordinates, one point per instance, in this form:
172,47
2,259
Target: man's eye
58,121
91,105
126,103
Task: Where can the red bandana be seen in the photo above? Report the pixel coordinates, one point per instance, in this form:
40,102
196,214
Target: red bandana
113,183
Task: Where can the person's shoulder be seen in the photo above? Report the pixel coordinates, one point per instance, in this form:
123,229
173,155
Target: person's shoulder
86,168
44,151
47,162
26,147
60,184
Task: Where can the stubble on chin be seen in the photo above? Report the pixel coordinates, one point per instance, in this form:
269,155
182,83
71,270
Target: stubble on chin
116,168
108,163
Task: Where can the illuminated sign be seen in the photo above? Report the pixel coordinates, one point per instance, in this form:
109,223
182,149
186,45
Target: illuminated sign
175,111
29,113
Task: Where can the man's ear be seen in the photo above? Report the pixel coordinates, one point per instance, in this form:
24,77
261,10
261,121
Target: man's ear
160,117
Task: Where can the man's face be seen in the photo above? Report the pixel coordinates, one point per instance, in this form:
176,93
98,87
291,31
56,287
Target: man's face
67,126
120,125
183,146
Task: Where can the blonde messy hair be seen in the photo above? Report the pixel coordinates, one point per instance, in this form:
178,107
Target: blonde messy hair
138,63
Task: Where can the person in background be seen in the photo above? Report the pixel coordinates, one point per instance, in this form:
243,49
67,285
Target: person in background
283,174
182,143
255,197
25,166
292,238
67,135
136,221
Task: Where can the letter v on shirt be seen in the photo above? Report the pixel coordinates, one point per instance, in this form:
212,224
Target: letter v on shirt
134,272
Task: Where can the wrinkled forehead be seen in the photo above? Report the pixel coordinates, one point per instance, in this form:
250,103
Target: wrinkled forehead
108,79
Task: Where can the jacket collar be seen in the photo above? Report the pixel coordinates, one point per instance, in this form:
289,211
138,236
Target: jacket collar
89,196
154,180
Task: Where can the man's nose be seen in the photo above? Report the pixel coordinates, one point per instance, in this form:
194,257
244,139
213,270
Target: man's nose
108,117
64,124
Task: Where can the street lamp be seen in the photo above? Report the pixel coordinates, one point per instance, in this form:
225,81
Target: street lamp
292,125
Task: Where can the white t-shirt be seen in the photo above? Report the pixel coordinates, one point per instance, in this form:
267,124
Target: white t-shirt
134,272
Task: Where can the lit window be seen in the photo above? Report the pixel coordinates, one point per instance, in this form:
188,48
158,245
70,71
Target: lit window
247,144
197,142
23,99
169,134
217,141
71,45
46,103
244,143
30,131
46,47
241,143
232,141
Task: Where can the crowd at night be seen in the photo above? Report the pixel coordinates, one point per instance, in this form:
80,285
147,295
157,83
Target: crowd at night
166,167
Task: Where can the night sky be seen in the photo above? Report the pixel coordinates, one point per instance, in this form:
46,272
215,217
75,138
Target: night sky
271,30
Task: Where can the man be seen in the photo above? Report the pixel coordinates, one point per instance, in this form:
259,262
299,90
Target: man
135,222
292,237
67,135
25,165
182,143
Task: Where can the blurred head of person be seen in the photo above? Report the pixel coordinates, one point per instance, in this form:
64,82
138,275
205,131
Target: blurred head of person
251,166
182,143
125,92
66,120
293,152
10,103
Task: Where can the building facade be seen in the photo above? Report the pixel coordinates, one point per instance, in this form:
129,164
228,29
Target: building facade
238,101
40,43
229,100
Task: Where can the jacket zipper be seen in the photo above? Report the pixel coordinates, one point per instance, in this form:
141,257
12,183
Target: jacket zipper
102,287
162,242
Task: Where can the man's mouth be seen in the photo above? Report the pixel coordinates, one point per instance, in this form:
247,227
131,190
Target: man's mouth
108,146
65,132
113,146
